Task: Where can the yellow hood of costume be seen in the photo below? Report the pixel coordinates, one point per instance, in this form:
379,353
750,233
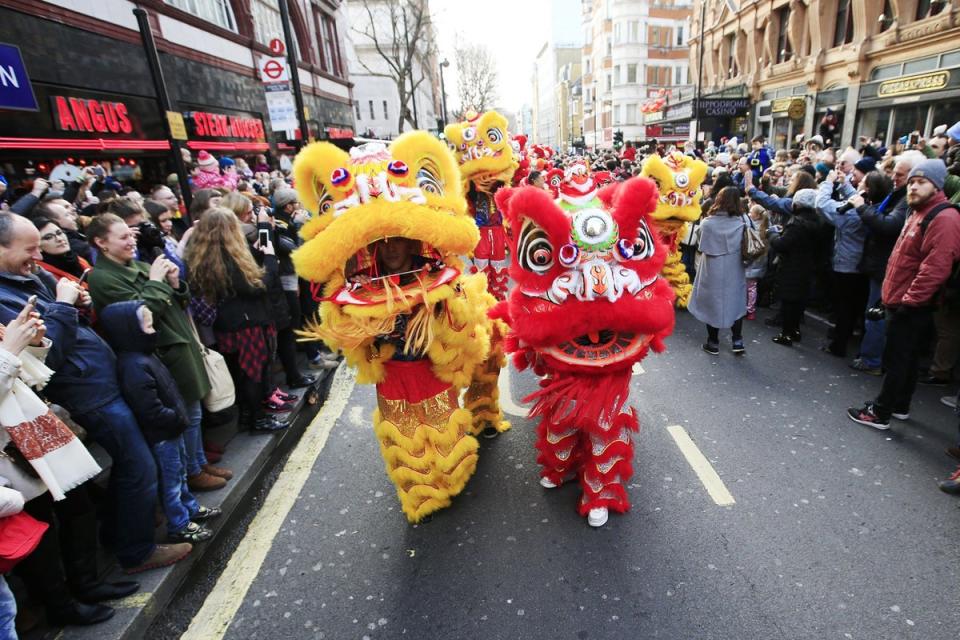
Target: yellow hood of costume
411,189
678,179
481,145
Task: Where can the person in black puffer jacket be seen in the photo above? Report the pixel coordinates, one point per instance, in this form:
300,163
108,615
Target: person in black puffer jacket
225,273
796,247
150,390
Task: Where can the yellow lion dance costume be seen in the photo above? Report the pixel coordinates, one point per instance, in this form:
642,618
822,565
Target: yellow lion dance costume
421,336
678,179
481,144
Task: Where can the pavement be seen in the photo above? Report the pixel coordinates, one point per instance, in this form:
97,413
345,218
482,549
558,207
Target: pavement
759,511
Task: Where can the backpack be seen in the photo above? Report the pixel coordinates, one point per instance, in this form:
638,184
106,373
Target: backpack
950,291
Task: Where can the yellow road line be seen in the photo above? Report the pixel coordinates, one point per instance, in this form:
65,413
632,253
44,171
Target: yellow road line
701,466
506,400
218,610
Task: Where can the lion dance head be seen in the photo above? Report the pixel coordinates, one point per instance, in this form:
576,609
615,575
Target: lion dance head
678,178
481,145
588,295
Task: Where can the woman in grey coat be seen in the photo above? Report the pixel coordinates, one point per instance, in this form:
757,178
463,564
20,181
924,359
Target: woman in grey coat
719,296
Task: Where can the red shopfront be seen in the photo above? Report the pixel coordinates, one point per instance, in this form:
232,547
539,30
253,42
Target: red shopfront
83,127
223,131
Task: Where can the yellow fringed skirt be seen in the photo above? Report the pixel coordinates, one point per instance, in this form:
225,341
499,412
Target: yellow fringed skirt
424,437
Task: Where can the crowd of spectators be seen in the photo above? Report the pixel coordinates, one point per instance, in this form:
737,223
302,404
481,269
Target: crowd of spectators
106,288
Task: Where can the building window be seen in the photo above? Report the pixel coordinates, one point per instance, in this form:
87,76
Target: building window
372,115
616,75
784,52
678,76
386,114
632,74
617,113
630,116
609,82
216,11
328,41
927,8
634,31
266,22
609,48
843,33
617,37
680,34
732,70
356,107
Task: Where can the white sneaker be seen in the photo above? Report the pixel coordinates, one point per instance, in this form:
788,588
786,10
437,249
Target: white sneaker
900,416
547,483
950,401
598,517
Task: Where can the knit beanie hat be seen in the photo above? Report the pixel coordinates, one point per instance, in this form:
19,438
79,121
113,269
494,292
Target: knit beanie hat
806,198
933,170
954,132
226,161
822,167
206,160
866,165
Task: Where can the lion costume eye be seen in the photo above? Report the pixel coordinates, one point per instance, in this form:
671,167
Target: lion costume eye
643,247
534,251
429,182
682,180
494,135
469,134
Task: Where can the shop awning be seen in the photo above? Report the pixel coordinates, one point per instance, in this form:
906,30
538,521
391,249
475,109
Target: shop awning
197,145
85,144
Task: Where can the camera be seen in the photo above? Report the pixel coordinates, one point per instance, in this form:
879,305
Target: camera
846,206
150,237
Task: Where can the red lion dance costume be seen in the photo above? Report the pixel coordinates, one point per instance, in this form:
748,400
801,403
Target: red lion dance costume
482,146
588,303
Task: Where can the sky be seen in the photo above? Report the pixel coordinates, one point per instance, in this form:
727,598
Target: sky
514,31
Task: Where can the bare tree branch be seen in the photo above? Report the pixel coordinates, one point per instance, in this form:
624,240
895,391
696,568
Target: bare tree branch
477,77
403,47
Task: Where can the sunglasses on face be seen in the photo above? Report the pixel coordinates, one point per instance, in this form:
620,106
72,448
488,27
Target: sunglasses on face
52,235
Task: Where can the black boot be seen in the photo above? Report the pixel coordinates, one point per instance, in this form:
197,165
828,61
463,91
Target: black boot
77,613
103,591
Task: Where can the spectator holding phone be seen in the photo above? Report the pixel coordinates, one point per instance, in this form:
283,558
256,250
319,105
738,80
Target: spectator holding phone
118,277
85,383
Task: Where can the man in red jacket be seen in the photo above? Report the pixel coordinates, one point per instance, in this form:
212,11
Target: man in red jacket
922,259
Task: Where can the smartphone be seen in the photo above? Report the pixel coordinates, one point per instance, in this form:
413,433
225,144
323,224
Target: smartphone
914,138
264,238
83,276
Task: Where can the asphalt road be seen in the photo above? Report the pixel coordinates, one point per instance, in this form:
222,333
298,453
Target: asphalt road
837,530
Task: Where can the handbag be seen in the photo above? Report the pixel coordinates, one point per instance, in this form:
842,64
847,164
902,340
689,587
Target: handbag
752,246
19,536
223,393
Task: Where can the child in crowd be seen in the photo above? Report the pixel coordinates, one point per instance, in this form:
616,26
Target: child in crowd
149,389
757,269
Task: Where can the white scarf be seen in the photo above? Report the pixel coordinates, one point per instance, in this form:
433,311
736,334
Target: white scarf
54,452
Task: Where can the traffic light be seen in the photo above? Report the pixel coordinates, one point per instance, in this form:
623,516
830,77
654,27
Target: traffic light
618,138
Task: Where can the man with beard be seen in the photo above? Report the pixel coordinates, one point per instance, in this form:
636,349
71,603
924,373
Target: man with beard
921,262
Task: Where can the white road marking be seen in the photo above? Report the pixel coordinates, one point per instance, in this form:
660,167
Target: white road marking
506,400
214,617
701,466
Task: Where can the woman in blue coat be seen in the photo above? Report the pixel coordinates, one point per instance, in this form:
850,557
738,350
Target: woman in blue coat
719,296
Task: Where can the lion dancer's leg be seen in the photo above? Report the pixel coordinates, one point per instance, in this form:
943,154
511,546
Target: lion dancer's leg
483,395
673,270
560,451
424,438
490,258
607,467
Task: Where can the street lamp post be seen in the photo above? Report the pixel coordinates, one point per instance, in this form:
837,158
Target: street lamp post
443,94
696,102
594,116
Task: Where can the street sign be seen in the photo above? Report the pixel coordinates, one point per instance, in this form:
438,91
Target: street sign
276,47
273,70
178,130
282,108
15,89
